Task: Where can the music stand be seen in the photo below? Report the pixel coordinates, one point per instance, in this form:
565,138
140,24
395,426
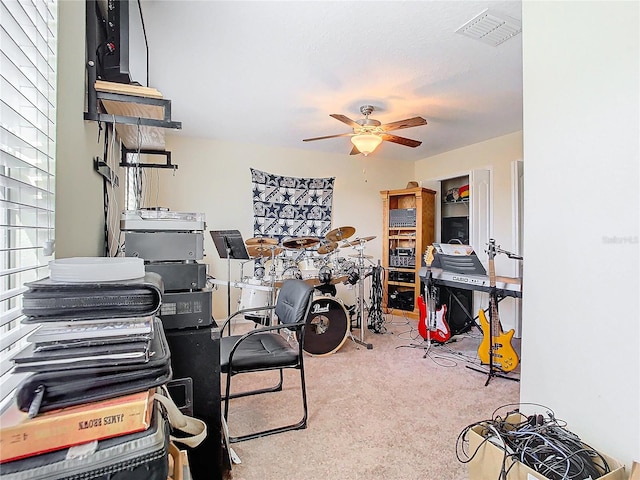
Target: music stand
230,245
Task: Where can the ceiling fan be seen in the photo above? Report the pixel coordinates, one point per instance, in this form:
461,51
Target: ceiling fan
369,133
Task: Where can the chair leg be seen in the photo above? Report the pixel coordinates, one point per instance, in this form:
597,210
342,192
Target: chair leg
275,388
295,426
305,410
227,396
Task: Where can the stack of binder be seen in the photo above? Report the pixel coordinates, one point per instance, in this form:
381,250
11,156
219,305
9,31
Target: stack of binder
95,360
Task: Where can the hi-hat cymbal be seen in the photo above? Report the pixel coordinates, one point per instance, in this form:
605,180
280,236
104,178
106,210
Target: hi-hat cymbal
357,255
338,234
263,251
358,241
262,241
327,248
301,242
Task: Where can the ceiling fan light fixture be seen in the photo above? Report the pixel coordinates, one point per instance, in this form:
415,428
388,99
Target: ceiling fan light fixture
366,142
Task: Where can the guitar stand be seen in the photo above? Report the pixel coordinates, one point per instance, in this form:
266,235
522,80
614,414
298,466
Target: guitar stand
493,371
431,308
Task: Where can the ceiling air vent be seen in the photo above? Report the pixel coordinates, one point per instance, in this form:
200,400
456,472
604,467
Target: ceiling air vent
491,28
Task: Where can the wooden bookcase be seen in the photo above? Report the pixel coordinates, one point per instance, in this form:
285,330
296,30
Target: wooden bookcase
408,223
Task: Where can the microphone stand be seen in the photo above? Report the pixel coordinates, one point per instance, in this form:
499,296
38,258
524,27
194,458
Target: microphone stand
508,254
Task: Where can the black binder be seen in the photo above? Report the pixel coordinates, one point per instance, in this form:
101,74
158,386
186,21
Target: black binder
48,300
89,380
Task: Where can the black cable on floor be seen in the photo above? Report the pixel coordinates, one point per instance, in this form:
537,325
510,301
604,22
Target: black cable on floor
375,317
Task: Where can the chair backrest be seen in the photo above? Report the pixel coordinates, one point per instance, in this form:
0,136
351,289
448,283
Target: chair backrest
294,301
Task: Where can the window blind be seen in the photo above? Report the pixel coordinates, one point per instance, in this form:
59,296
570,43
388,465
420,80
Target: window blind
27,164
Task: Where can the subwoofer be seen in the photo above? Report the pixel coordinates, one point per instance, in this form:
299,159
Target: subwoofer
195,355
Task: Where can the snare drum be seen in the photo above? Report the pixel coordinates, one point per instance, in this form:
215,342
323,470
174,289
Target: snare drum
255,297
327,327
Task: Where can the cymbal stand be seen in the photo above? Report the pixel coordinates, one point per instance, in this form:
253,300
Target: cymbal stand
299,256
361,276
272,277
242,268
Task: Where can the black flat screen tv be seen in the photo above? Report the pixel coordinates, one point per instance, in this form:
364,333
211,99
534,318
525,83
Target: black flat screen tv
108,37
455,228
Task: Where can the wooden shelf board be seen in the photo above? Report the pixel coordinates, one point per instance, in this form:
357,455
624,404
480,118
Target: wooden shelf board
126,89
402,284
135,137
138,136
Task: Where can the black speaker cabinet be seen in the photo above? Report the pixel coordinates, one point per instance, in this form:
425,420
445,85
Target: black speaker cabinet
195,355
457,319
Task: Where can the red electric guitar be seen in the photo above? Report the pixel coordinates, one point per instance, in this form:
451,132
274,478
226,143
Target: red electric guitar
437,326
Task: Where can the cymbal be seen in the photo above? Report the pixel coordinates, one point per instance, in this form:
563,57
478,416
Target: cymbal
327,248
301,242
358,241
262,241
262,251
357,255
340,233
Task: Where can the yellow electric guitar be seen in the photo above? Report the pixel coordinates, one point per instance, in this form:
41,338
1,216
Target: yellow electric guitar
495,349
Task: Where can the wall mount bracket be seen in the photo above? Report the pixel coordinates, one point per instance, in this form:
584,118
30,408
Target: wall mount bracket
124,159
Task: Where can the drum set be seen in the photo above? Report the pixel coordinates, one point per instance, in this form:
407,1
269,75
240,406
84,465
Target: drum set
316,261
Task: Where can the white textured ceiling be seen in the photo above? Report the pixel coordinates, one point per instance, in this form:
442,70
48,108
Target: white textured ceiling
270,73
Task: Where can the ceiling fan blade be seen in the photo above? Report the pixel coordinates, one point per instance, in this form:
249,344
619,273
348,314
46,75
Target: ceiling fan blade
401,140
354,151
328,136
344,119
407,123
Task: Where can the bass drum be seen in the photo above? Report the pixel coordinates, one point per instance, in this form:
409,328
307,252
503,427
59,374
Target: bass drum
327,327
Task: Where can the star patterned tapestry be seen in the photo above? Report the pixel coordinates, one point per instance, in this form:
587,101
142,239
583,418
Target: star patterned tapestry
291,207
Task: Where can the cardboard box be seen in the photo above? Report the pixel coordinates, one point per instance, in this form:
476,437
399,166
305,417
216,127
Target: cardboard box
21,436
487,463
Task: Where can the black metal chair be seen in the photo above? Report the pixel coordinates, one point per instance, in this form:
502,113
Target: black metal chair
265,348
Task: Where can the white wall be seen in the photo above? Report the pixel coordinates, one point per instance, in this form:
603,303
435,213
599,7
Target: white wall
580,344
213,177
496,155
79,206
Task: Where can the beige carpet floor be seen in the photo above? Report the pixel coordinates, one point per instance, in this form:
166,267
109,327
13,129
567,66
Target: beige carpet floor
380,413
